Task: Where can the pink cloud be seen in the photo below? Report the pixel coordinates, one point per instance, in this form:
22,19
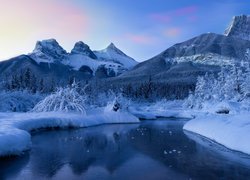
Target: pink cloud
185,10
140,39
172,32
193,18
23,22
161,17
44,17
168,16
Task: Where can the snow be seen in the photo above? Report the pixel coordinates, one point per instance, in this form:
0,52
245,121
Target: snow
161,109
76,61
18,101
113,59
208,59
13,141
15,127
65,99
232,130
113,54
239,27
48,51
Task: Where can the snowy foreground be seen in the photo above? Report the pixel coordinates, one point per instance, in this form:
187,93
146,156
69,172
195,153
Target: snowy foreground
15,127
230,130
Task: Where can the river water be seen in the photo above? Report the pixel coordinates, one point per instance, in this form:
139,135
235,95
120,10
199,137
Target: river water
150,150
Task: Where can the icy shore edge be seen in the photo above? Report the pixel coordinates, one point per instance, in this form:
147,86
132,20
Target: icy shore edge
14,128
231,131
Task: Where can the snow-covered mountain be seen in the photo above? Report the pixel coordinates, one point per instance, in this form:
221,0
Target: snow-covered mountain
113,54
83,49
111,60
49,65
48,51
239,27
180,64
183,62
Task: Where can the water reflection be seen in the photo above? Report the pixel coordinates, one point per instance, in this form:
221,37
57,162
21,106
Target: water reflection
150,150
11,167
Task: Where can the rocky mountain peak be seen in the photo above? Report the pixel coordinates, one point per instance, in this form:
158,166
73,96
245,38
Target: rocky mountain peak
113,49
239,27
48,49
84,49
112,46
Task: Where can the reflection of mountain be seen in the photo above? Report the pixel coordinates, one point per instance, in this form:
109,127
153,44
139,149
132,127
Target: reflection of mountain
11,167
156,150
80,149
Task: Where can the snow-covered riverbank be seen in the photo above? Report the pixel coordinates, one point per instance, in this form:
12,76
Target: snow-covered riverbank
230,130
15,127
161,109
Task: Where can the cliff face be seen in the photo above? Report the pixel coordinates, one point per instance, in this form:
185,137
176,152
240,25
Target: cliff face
239,27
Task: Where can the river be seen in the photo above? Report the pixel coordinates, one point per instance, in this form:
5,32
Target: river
152,150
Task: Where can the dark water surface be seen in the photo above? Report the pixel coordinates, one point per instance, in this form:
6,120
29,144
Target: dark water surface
150,150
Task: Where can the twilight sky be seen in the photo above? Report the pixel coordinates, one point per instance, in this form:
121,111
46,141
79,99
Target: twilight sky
140,28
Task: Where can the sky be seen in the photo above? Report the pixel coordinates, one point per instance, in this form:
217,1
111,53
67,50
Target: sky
140,28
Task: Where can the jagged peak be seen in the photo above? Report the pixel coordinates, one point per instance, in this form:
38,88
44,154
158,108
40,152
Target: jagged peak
49,45
239,27
112,46
81,44
82,48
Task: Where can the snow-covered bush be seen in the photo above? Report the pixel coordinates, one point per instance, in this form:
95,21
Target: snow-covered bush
119,103
63,100
18,101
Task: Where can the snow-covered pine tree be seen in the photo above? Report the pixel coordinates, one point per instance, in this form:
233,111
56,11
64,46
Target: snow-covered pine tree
246,77
233,82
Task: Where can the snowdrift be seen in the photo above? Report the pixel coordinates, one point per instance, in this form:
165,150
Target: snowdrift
15,127
18,101
232,131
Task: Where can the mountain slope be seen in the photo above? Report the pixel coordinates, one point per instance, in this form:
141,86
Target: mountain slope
182,63
50,74
52,65
50,59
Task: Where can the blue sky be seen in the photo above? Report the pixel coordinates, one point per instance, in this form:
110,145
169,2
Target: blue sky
141,28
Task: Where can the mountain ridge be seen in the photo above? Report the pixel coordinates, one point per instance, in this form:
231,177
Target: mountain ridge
179,64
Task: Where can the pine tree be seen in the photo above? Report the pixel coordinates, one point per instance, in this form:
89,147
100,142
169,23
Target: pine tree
41,85
27,78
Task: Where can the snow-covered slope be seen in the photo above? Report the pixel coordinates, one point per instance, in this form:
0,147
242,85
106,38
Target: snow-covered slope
85,63
115,55
239,27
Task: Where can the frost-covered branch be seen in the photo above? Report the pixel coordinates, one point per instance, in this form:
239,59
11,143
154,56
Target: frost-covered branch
63,100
